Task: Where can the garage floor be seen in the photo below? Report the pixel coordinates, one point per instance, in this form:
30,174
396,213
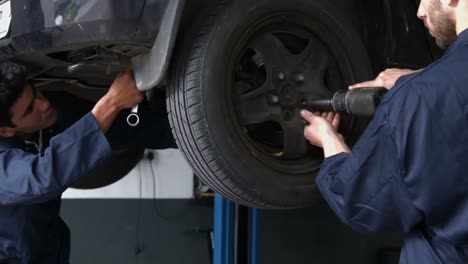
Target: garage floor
132,231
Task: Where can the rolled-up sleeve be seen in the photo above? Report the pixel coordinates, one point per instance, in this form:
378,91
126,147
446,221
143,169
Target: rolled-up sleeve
29,178
365,188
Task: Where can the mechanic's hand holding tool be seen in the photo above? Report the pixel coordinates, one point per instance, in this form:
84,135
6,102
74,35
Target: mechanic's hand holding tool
122,94
322,131
322,128
124,91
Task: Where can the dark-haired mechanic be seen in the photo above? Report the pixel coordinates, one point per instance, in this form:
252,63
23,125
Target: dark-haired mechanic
36,167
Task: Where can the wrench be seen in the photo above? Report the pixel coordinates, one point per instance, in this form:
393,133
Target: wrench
133,119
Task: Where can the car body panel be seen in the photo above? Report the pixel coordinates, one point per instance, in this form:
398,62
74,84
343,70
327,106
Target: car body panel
50,26
48,36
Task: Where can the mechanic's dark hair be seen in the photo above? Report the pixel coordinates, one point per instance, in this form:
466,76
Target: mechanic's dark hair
13,79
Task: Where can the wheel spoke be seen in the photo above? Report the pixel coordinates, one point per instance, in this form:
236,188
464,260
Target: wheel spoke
316,89
295,145
272,51
314,61
315,52
253,107
253,94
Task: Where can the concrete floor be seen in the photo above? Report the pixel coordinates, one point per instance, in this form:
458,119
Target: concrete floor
132,231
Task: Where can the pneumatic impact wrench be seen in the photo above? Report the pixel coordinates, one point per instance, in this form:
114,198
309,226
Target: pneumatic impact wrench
354,102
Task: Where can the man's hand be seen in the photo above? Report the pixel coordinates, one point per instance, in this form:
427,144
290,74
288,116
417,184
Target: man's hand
385,79
122,94
322,131
320,127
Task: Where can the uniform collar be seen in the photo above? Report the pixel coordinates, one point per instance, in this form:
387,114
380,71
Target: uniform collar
15,142
39,144
11,142
462,40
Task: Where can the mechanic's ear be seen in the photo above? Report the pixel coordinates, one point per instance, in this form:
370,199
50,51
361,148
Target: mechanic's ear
450,3
7,132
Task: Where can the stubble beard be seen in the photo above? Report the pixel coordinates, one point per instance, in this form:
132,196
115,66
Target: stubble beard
442,27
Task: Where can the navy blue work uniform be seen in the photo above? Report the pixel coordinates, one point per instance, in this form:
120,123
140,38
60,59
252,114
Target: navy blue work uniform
32,181
409,170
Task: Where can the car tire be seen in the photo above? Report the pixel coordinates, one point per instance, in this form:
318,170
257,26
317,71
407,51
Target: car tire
244,162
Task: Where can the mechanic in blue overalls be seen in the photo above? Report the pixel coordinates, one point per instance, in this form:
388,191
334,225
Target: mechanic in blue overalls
409,170
43,151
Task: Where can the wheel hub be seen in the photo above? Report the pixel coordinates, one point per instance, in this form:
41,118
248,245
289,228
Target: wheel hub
289,95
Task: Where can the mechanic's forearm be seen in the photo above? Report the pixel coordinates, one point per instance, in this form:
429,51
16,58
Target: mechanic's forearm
333,145
105,112
43,177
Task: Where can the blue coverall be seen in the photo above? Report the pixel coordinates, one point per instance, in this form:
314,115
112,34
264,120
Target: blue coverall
32,182
409,170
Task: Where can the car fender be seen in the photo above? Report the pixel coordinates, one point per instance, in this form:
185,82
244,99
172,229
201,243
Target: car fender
151,68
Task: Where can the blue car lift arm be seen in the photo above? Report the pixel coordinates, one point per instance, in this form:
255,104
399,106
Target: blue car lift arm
226,222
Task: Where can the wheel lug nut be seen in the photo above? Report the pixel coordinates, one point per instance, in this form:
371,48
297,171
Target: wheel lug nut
275,99
281,76
299,78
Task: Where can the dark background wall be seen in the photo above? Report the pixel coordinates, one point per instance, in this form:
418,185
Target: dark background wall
316,236
141,231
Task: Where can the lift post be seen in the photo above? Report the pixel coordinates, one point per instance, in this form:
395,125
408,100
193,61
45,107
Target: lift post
231,246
